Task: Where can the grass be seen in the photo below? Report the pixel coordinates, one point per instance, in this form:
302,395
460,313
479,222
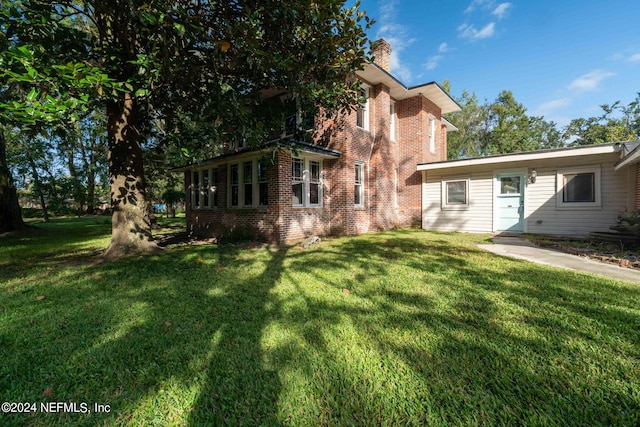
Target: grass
395,328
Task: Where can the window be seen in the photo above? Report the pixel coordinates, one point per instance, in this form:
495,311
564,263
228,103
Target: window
247,180
214,188
297,182
306,182
455,194
195,190
248,186
392,121
263,186
509,185
362,115
234,179
432,134
358,191
314,183
578,188
204,191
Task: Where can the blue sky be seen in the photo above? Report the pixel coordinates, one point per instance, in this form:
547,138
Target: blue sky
562,59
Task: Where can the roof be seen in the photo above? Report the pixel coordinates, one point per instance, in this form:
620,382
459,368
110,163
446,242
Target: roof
632,157
301,146
373,74
524,156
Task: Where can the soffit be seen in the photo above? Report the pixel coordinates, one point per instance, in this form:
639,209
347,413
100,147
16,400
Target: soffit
375,75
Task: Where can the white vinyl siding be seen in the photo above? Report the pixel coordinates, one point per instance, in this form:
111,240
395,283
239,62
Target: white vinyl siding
475,217
542,214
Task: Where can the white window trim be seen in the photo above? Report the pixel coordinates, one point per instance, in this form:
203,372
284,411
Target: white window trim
562,205
306,183
365,109
392,121
360,165
255,184
445,205
432,134
199,190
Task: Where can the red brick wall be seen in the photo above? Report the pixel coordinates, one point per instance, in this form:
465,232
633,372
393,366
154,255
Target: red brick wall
281,222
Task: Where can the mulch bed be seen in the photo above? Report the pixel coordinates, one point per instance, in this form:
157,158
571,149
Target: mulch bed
624,255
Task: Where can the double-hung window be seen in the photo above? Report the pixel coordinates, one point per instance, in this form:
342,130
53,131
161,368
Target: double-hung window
358,190
263,186
204,189
297,182
392,121
195,190
214,188
247,180
306,182
234,180
248,186
578,188
362,114
432,134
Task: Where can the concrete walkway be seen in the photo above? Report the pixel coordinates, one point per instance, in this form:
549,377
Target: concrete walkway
517,247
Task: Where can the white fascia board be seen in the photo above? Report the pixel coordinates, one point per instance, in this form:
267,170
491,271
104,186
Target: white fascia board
522,157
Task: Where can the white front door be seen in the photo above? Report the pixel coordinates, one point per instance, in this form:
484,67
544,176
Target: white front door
509,202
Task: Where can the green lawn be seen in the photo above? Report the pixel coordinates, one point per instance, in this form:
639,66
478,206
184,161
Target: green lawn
395,328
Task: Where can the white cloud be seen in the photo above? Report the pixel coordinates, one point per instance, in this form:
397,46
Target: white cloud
546,108
634,58
398,37
590,81
501,10
470,32
444,47
432,62
483,4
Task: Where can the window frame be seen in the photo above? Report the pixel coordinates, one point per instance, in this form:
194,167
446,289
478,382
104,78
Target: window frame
444,194
204,192
359,186
432,134
392,121
362,113
306,180
597,183
195,189
244,184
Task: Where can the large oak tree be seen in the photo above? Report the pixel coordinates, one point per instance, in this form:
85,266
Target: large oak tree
150,64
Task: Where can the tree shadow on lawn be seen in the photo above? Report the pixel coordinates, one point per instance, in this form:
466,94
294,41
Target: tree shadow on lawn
506,345
428,332
143,336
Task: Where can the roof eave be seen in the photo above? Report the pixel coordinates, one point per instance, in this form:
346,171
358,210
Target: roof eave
301,146
521,157
374,75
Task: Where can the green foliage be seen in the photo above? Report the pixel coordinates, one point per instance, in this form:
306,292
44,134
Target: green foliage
617,123
499,127
503,127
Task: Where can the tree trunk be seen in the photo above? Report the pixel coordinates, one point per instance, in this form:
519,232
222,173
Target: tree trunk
131,227
10,212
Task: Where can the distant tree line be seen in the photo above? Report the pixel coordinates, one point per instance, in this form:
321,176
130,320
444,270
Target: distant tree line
503,126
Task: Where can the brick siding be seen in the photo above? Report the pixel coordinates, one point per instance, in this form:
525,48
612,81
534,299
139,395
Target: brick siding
390,176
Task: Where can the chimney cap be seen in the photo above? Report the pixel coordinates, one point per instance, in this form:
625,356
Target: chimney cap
381,51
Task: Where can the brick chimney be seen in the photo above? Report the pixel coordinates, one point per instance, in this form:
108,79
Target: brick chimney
382,54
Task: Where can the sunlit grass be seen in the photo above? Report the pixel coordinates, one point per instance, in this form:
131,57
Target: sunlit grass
395,328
